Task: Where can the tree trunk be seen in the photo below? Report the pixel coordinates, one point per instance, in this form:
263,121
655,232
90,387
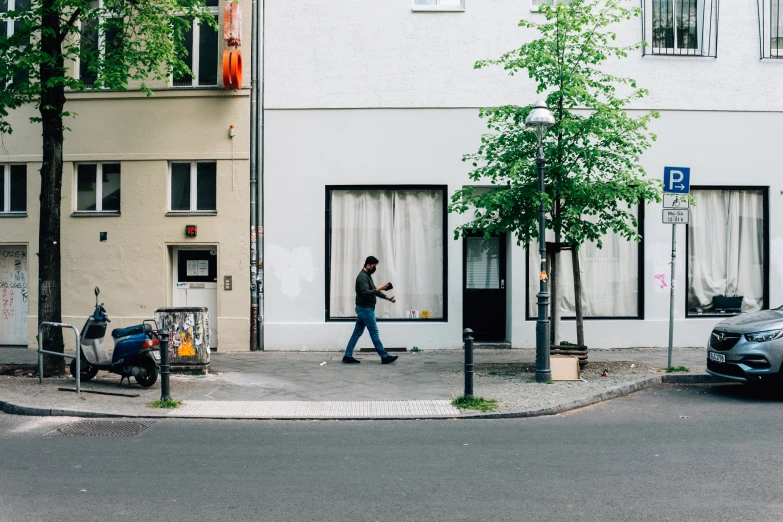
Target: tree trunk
554,279
554,326
51,109
580,322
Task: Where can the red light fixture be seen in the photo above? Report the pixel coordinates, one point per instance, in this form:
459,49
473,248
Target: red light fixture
191,230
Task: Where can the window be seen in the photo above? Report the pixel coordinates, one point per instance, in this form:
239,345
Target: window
727,251
201,45
682,27
98,187
776,28
16,27
438,5
535,4
611,278
100,38
404,228
13,189
193,187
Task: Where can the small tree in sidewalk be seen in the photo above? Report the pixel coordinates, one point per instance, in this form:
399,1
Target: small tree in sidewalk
594,178
113,41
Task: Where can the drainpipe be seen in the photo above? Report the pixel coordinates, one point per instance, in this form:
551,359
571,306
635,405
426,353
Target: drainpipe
253,181
261,157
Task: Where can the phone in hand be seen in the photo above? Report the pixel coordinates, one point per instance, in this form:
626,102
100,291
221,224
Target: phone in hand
389,286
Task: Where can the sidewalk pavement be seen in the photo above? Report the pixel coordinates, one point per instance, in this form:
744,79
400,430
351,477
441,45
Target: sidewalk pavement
316,385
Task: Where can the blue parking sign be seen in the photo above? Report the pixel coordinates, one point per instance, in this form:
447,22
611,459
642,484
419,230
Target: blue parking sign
677,180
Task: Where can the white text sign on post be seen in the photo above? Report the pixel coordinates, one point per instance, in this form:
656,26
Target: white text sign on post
676,216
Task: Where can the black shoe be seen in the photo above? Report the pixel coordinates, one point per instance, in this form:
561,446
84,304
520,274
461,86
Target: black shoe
350,360
390,359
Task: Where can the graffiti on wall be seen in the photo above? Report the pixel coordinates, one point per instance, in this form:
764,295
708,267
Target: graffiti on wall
188,336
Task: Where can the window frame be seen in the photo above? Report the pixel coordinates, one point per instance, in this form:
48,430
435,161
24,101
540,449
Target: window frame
537,8
98,188
446,8
328,250
640,270
101,47
707,25
5,180
765,249
193,190
775,28
195,31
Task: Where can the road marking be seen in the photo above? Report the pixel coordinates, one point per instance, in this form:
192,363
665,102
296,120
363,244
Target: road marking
313,410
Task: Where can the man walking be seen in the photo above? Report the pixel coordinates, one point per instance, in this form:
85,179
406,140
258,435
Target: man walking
366,296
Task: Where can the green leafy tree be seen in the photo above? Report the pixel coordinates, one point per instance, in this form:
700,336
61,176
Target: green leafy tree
115,42
594,177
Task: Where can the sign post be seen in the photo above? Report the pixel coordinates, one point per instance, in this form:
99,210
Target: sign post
676,187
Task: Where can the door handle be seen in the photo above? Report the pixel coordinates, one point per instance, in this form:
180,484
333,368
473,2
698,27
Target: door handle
502,284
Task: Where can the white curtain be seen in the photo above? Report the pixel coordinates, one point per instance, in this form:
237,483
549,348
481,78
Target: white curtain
726,249
610,278
404,230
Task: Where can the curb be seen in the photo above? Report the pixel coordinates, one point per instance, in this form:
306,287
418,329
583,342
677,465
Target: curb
573,404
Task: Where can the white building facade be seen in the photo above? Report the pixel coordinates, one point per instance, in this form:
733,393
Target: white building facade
370,107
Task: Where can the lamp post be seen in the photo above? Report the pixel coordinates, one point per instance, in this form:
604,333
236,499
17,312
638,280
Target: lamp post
539,120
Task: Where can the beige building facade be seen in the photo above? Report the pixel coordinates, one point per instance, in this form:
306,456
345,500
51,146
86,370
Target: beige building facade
138,172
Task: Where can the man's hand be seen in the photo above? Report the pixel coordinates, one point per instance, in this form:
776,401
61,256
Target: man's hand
382,287
392,299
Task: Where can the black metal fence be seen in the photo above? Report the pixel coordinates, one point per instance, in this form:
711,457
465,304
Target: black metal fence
681,27
770,28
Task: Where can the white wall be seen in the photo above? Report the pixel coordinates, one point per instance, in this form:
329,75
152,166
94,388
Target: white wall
362,92
359,53
309,149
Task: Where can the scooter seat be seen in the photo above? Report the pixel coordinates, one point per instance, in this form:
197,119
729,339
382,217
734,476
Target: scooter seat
131,330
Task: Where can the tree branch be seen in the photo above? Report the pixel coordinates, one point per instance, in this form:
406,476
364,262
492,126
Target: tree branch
70,23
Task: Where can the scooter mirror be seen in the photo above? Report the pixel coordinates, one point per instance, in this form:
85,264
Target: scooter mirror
97,291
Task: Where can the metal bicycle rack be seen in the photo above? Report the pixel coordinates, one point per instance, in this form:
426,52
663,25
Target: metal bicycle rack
41,352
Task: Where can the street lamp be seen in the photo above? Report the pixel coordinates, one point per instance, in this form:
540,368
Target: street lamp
539,120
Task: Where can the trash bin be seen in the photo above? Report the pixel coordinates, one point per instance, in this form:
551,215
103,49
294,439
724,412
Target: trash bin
189,337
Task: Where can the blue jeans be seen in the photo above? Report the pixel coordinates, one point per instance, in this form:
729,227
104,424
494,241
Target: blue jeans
365,317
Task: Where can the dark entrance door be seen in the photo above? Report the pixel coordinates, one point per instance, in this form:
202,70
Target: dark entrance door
484,287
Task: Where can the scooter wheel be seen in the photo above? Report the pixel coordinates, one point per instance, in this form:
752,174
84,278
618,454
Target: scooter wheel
87,371
149,373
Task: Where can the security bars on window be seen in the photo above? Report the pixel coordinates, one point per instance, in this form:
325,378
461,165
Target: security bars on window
770,28
681,27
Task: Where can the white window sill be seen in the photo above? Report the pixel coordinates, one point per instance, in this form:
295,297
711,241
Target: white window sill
438,9
189,213
82,213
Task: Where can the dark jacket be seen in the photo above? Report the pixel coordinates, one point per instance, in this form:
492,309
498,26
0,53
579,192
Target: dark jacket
366,295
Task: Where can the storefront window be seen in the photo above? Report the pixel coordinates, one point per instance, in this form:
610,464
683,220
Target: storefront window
610,278
404,229
726,244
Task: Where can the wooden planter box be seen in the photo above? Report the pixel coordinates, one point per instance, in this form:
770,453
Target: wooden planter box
576,350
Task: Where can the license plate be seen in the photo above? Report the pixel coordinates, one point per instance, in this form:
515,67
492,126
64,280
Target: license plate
717,357
156,356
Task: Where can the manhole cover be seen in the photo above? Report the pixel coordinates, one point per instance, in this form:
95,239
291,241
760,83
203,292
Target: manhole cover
101,428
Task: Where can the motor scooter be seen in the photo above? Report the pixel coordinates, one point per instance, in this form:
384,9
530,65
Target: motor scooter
136,349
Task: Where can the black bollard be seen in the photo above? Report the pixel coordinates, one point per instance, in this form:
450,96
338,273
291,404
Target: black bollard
468,361
165,369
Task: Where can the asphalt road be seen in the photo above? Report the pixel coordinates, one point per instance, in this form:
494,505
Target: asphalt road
669,453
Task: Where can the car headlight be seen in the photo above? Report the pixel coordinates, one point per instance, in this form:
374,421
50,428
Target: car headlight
763,337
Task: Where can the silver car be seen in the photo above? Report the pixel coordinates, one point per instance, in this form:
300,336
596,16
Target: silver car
748,347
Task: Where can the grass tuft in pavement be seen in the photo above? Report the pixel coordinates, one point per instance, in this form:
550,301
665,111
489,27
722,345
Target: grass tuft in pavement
168,404
673,369
465,402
